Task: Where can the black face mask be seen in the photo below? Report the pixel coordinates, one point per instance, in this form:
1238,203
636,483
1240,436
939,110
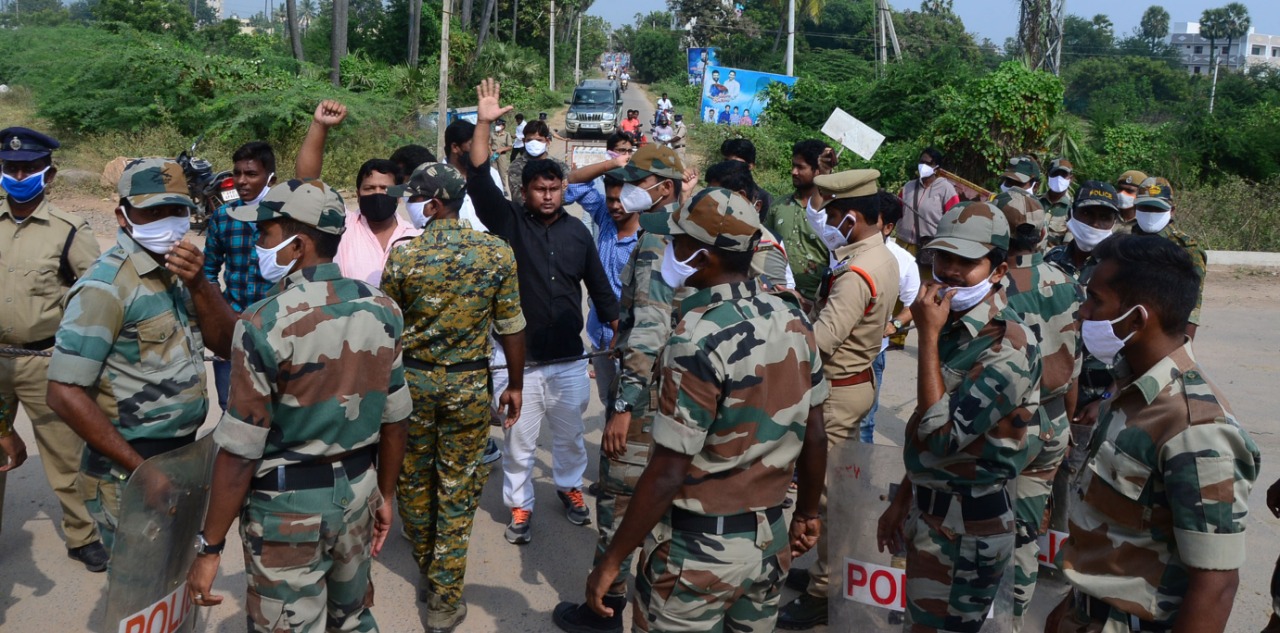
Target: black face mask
377,207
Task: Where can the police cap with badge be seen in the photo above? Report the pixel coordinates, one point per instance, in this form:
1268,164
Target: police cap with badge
20,144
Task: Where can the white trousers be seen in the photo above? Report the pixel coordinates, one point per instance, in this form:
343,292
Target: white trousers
558,394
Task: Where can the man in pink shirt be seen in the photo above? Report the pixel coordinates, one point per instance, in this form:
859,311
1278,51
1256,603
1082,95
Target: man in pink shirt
377,228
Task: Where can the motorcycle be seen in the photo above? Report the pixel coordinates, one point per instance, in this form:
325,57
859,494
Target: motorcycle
624,85
209,190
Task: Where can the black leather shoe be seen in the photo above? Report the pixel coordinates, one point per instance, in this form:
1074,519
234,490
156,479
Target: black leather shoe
579,618
94,556
803,613
797,579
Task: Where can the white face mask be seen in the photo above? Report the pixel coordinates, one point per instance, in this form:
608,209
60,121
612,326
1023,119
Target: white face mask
636,199
1125,201
965,298
262,194
1059,184
416,214
1101,340
160,236
1153,221
926,171
535,148
269,267
674,271
830,235
1087,237
1004,188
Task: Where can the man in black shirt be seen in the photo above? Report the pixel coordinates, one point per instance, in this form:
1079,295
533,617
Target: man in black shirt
555,254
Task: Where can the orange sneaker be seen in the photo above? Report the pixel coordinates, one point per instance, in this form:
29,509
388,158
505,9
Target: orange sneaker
575,507
518,530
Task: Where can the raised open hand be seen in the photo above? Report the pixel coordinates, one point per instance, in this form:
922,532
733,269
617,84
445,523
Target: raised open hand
488,108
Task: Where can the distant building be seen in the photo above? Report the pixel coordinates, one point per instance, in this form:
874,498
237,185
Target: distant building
1254,48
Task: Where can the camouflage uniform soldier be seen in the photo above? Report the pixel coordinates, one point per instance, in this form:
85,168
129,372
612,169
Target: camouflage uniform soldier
979,390
1128,186
1158,519
648,307
43,250
855,303
1021,178
1048,302
1093,216
133,336
455,285
739,402
1057,200
1154,216
317,393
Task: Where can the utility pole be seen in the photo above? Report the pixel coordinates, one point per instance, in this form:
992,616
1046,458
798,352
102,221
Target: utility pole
1213,91
552,50
577,56
791,38
442,102
415,29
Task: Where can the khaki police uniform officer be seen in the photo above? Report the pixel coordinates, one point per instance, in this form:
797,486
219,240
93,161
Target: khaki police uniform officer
43,250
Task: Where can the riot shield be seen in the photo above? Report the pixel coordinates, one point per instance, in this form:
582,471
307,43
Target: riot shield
161,509
871,592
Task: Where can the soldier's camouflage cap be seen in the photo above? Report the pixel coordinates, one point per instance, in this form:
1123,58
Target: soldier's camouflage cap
1061,164
1022,170
310,202
1095,193
22,144
1021,209
714,216
971,230
1153,193
152,182
651,160
433,180
1131,177
852,183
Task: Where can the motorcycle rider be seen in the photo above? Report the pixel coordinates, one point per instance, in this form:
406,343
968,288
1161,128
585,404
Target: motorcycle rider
662,132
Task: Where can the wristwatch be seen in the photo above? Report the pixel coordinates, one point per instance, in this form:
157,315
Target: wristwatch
897,325
622,406
205,548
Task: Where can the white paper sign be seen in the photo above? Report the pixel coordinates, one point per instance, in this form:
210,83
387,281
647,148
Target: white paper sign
853,134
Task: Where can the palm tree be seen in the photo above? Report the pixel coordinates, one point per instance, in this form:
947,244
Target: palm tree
338,41
295,37
1237,24
307,11
1213,27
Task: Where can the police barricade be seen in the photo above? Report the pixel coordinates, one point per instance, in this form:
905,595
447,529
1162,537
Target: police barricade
868,591
161,509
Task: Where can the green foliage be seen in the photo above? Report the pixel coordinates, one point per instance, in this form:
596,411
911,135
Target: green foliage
154,16
1110,90
1005,113
656,55
1236,215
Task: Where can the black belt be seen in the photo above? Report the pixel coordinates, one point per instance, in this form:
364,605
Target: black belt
40,345
150,448
318,474
1098,610
935,503
686,521
457,368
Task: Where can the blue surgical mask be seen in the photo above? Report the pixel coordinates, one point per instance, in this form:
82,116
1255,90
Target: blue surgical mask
24,190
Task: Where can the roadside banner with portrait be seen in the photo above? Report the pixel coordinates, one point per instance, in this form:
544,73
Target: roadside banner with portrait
699,59
733,96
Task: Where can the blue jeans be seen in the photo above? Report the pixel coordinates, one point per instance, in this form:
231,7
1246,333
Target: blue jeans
868,429
222,381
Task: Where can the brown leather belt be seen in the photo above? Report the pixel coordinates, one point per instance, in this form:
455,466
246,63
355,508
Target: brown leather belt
856,379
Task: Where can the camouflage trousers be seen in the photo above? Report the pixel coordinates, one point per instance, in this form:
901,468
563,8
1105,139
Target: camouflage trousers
102,501
954,570
307,556
1045,452
703,582
618,479
442,477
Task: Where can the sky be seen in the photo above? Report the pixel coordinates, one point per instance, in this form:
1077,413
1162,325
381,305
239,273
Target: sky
997,19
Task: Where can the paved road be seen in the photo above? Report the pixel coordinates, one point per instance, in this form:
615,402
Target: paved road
515,588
